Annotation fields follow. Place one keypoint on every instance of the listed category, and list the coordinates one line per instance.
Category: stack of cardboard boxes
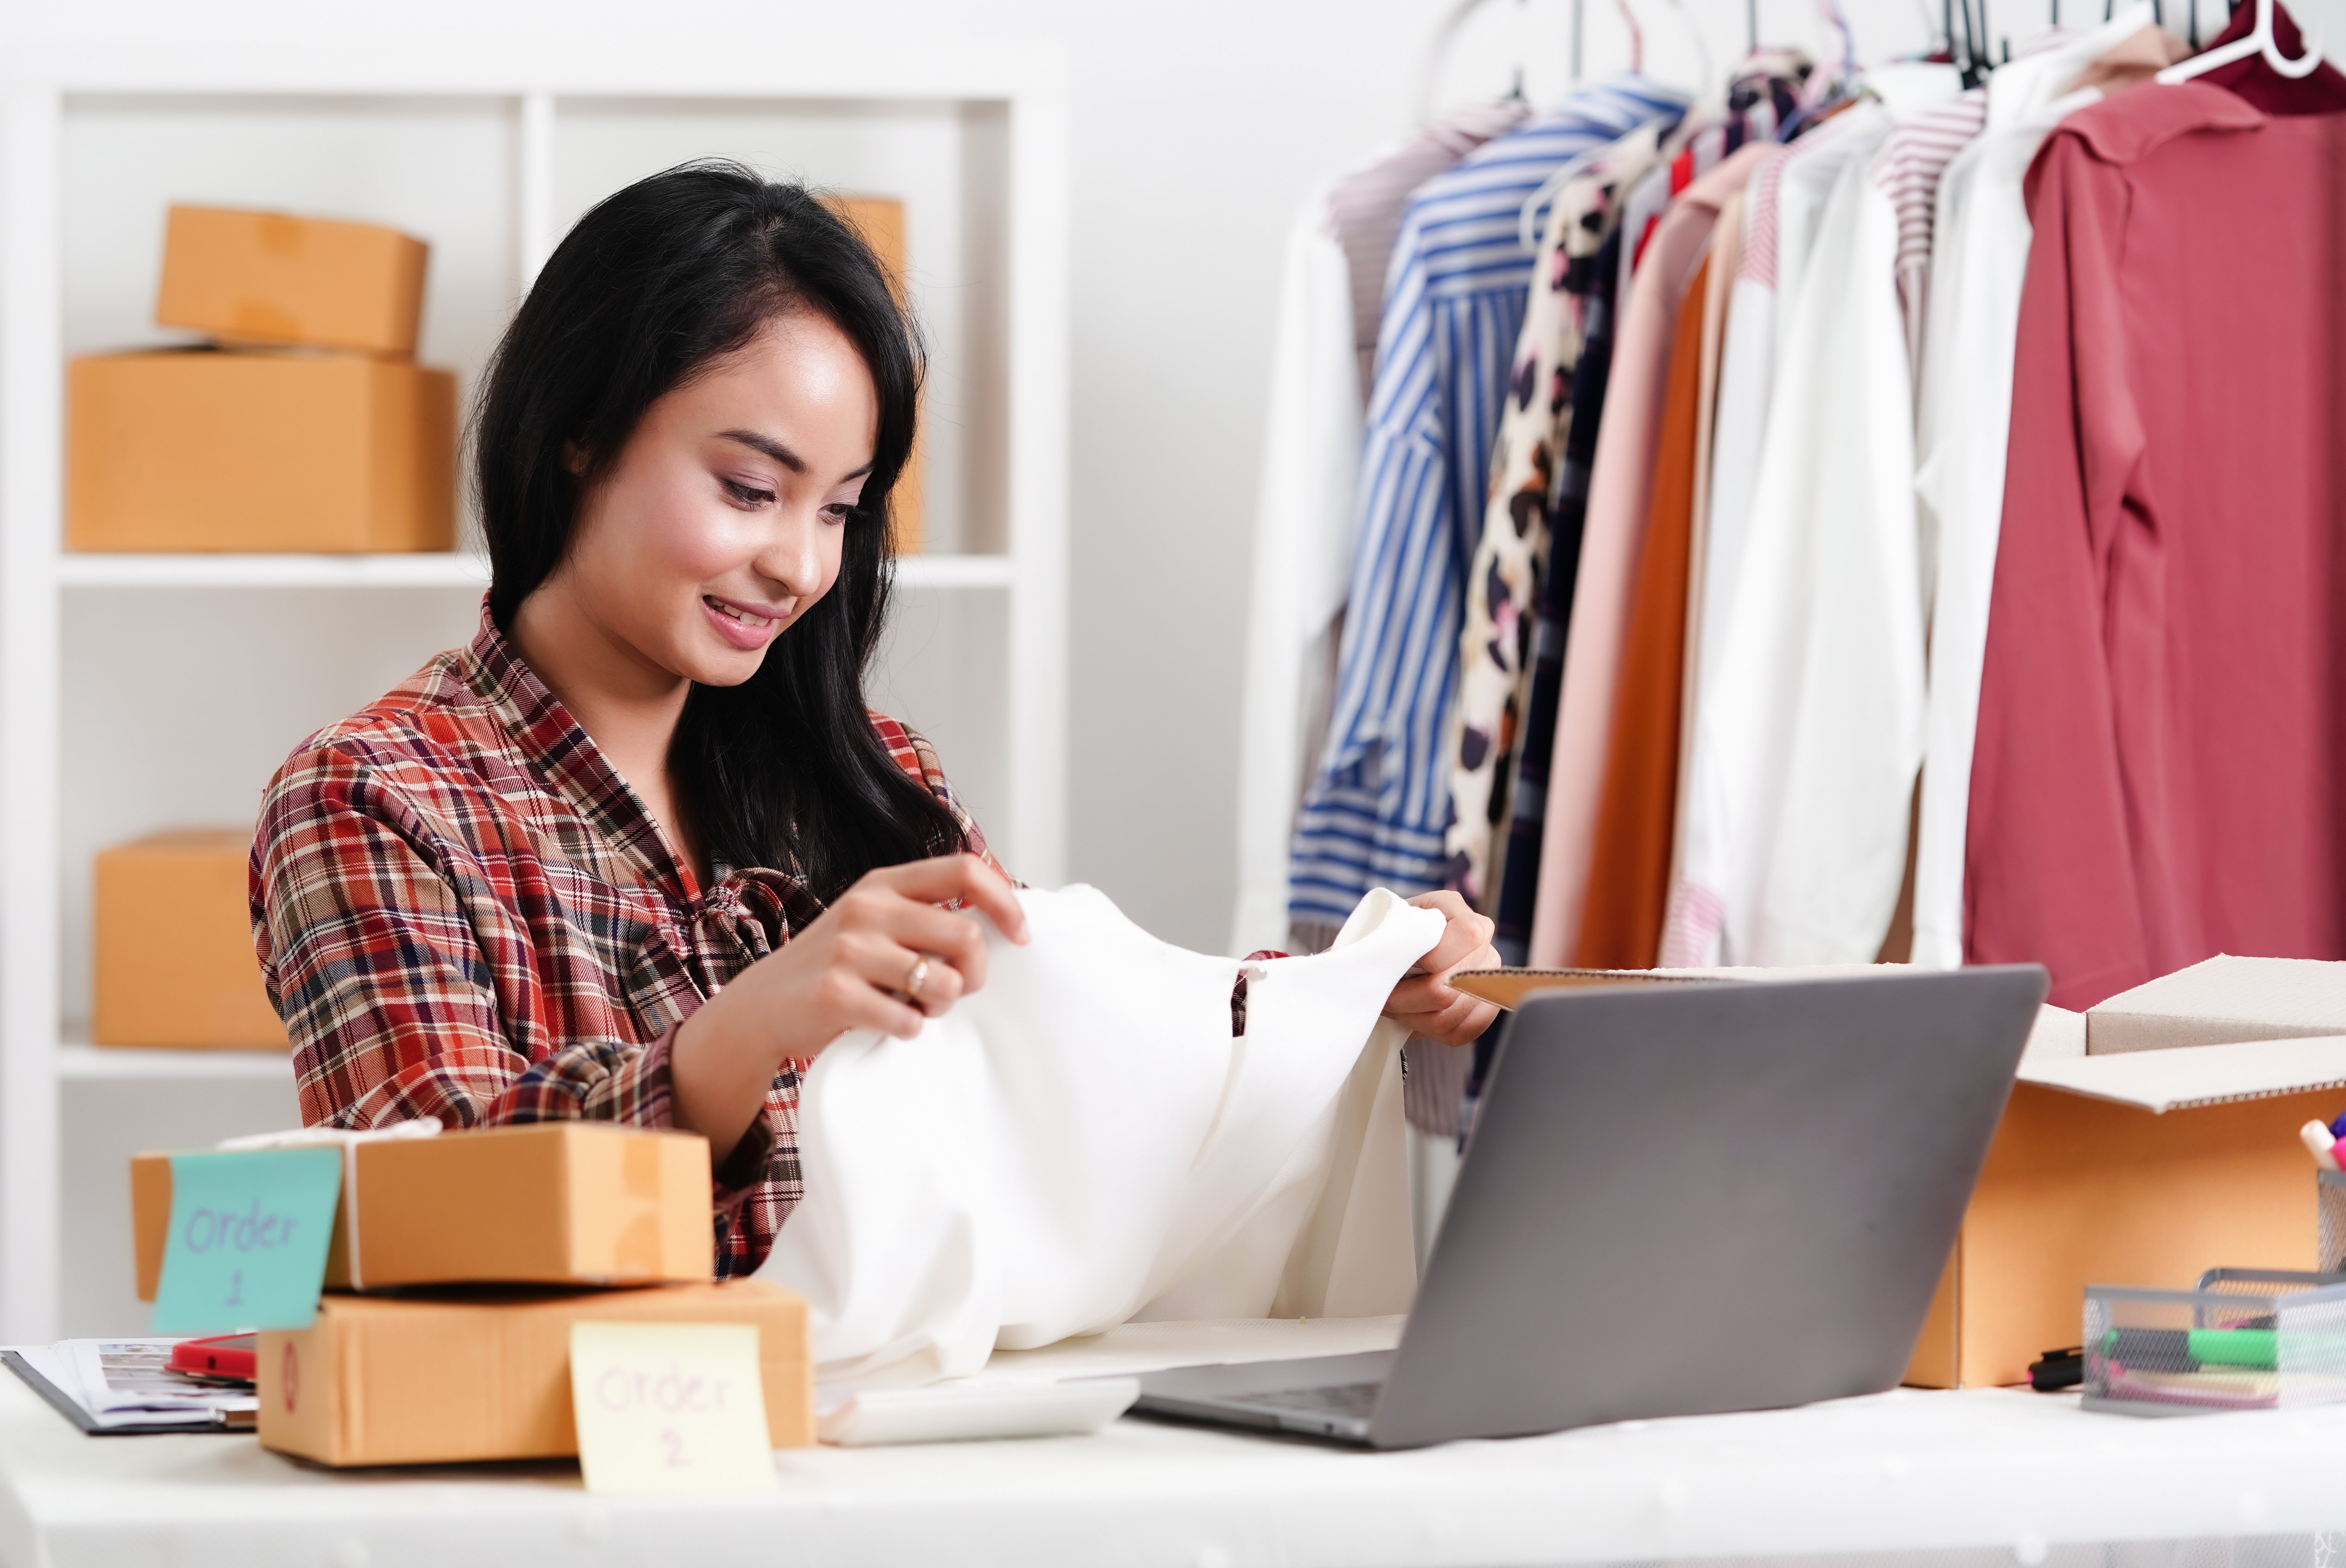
(303, 425)
(494, 1242)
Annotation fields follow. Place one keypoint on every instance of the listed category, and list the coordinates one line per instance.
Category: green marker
(2189, 1349)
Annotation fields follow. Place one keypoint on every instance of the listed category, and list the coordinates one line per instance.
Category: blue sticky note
(246, 1247)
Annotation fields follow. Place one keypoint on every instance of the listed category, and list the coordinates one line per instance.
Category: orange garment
(1637, 812)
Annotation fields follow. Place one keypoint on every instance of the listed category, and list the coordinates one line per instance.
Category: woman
(639, 851)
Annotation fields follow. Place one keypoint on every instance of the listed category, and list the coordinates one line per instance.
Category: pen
(2322, 1143)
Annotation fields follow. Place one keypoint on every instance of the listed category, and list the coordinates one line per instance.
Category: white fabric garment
(1979, 259)
(1082, 1141)
(1747, 370)
(1747, 383)
(1302, 558)
(1809, 722)
(1820, 638)
(1811, 172)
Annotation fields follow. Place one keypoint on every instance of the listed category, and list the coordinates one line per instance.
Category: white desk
(2012, 1476)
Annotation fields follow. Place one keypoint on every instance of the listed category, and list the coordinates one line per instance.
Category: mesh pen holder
(2330, 1187)
(2246, 1339)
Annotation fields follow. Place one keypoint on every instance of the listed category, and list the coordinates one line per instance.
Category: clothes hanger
(1527, 220)
(1637, 36)
(1694, 34)
(1978, 45)
(2259, 40)
(1437, 54)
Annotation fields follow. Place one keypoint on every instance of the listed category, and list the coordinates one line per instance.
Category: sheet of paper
(247, 1247)
(669, 1407)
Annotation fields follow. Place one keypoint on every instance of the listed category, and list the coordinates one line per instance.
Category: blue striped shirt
(1454, 298)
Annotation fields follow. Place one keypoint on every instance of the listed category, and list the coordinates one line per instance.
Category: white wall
(1196, 126)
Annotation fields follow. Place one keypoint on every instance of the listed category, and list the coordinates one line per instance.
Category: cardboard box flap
(2220, 1000)
(1509, 987)
(2191, 1075)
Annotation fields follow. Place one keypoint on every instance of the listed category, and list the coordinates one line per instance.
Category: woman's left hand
(1425, 1002)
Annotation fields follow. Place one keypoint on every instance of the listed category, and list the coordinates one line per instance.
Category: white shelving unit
(549, 123)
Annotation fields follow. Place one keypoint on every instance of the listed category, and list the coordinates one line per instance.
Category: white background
(1196, 126)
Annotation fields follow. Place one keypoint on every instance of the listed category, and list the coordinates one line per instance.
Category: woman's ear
(574, 460)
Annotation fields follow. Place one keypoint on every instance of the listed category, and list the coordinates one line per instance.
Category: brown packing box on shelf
(273, 278)
(200, 451)
(881, 220)
(173, 953)
(413, 1379)
(2146, 1168)
(553, 1202)
(2222, 999)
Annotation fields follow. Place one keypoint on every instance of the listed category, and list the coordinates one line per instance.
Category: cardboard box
(272, 278)
(431, 1380)
(2222, 999)
(881, 220)
(173, 956)
(196, 449)
(2144, 1168)
(553, 1202)
(2148, 1169)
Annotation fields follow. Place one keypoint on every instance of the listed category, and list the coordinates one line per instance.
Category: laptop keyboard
(1356, 1400)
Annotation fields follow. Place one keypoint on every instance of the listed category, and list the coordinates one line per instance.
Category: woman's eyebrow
(777, 452)
(768, 445)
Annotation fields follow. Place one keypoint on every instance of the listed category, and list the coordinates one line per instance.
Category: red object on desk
(221, 1356)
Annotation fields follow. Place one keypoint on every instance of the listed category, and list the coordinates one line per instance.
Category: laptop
(1676, 1199)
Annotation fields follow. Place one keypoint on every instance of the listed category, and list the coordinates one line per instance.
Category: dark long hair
(654, 286)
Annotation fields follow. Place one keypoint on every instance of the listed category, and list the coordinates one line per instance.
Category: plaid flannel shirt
(462, 911)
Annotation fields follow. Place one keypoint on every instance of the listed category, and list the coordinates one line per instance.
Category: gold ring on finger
(917, 977)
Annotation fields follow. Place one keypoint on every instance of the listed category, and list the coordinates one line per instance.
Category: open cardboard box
(2142, 1168)
(553, 1203)
(2220, 1000)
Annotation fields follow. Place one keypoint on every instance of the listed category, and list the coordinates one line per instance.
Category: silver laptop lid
(1698, 1197)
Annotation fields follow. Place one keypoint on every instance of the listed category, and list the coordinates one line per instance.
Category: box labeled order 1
(246, 1245)
(554, 1202)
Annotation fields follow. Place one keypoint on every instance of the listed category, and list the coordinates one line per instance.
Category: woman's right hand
(851, 968)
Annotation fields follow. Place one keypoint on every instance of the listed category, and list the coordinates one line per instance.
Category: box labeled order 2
(418, 1380)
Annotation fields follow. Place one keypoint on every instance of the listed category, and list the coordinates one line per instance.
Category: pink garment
(2160, 758)
(1620, 485)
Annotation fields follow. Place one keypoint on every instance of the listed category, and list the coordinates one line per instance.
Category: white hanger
(2259, 40)
(1444, 34)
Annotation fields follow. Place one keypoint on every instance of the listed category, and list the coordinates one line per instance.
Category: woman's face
(721, 521)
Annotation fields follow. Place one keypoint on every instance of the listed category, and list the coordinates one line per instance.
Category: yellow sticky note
(669, 1407)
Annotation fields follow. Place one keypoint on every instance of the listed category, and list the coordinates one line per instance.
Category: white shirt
(1303, 557)
(1747, 381)
(1808, 741)
(1979, 261)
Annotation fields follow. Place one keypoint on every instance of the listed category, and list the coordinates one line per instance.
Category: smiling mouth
(755, 623)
